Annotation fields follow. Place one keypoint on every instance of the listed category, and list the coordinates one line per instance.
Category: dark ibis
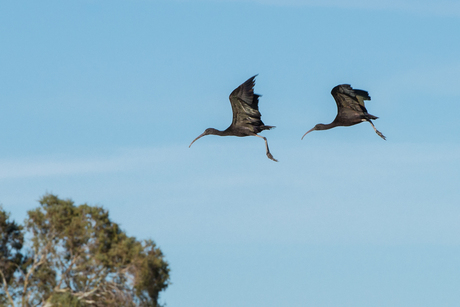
(246, 116)
(350, 109)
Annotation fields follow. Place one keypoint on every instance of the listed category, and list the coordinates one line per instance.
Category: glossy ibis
(350, 109)
(246, 116)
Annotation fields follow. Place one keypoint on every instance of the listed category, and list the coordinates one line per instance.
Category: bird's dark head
(206, 132)
(317, 127)
(210, 131)
(320, 127)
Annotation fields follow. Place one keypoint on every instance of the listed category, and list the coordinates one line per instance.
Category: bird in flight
(350, 109)
(246, 116)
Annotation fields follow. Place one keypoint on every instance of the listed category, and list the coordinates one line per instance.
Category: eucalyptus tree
(76, 256)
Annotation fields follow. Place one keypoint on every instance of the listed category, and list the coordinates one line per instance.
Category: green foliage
(11, 243)
(65, 299)
(79, 257)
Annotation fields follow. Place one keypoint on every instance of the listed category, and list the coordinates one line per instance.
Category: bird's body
(246, 116)
(350, 109)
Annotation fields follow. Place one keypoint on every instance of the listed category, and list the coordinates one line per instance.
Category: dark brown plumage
(246, 116)
(350, 109)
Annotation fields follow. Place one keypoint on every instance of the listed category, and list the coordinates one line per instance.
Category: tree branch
(35, 264)
(58, 286)
(5, 286)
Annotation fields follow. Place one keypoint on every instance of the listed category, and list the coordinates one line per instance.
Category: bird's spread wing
(348, 99)
(245, 105)
(361, 96)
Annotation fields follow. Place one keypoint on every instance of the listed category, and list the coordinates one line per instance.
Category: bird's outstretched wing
(350, 101)
(245, 105)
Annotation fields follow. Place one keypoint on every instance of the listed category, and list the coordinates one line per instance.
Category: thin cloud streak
(129, 159)
(122, 160)
(444, 8)
(43, 168)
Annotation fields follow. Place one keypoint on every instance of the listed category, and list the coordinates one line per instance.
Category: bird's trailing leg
(376, 131)
(269, 155)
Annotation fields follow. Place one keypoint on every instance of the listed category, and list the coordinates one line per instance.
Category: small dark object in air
(350, 109)
(246, 116)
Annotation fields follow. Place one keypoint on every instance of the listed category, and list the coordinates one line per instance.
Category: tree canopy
(68, 255)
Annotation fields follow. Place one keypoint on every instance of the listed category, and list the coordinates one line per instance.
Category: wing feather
(350, 100)
(245, 105)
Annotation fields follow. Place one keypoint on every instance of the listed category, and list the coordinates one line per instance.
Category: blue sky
(99, 101)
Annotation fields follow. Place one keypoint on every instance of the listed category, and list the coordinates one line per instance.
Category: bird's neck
(326, 126)
(218, 132)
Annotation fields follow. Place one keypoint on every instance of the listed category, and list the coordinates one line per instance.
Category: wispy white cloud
(208, 193)
(64, 165)
(447, 7)
(164, 158)
(10, 169)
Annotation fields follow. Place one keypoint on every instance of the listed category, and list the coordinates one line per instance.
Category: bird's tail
(369, 116)
(268, 127)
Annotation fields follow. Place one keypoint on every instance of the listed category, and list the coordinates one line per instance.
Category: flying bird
(350, 109)
(246, 116)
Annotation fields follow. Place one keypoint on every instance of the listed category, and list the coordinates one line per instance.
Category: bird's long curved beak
(307, 132)
(203, 134)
